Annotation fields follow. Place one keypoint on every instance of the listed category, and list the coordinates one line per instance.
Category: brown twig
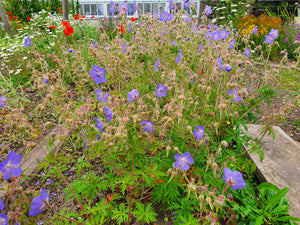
(69, 219)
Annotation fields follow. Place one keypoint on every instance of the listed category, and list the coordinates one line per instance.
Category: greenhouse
(101, 8)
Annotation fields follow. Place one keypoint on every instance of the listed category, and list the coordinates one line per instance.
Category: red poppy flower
(83, 16)
(10, 18)
(59, 8)
(76, 17)
(61, 12)
(15, 17)
(52, 27)
(68, 30)
(28, 18)
(122, 29)
(20, 27)
(9, 13)
(133, 19)
(92, 17)
(65, 23)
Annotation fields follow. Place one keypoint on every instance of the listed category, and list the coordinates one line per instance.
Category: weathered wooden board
(30, 162)
(281, 164)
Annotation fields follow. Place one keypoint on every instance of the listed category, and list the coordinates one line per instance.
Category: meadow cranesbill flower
(274, 32)
(199, 132)
(102, 96)
(269, 39)
(11, 165)
(71, 50)
(39, 203)
(124, 48)
(3, 219)
(173, 43)
(216, 35)
(46, 80)
(2, 206)
(208, 35)
(112, 7)
(3, 101)
(98, 74)
(200, 47)
(285, 40)
(156, 64)
(130, 27)
(207, 10)
(235, 96)
(27, 42)
(228, 68)
(123, 7)
(183, 161)
(233, 179)
(133, 95)
(232, 44)
(247, 52)
(148, 125)
(164, 16)
(187, 3)
(224, 33)
(95, 44)
(255, 30)
(171, 7)
(161, 90)
(99, 124)
(178, 56)
(108, 112)
(134, 7)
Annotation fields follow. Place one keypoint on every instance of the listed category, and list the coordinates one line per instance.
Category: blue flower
(99, 124)
(235, 96)
(148, 125)
(95, 44)
(102, 96)
(123, 7)
(187, 3)
(130, 28)
(255, 30)
(207, 10)
(200, 47)
(156, 64)
(233, 179)
(108, 112)
(11, 165)
(161, 90)
(98, 74)
(71, 50)
(171, 7)
(173, 43)
(133, 95)
(183, 161)
(232, 44)
(228, 68)
(39, 203)
(27, 42)
(178, 57)
(3, 101)
(199, 132)
(274, 32)
(2, 206)
(112, 7)
(46, 80)
(247, 52)
(269, 39)
(124, 48)
(164, 16)
(134, 7)
(216, 35)
(224, 33)
(3, 219)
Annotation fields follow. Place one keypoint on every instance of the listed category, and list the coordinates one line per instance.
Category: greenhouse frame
(100, 8)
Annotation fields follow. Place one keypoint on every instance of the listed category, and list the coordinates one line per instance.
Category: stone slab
(281, 164)
(30, 162)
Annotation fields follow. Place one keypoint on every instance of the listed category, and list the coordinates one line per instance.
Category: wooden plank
(38, 152)
(281, 164)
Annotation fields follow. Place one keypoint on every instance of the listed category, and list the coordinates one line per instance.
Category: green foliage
(144, 213)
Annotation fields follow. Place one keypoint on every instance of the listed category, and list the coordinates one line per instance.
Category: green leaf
(259, 220)
(145, 213)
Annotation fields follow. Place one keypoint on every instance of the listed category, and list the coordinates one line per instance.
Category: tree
(5, 21)
(65, 10)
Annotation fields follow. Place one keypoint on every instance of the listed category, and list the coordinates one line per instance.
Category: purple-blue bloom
(233, 179)
(216, 35)
(208, 35)
(3, 101)
(39, 203)
(2, 206)
(95, 44)
(255, 30)
(108, 112)
(235, 96)
(46, 80)
(228, 68)
(3, 219)
(207, 10)
(148, 125)
(27, 42)
(156, 64)
(130, 28)
(232, 44)
(269, 39)
(134, 7)
(187, 3)
(10, 166)
(173, 43)
(183, 161)
(224, 33)
(164, 16)
(199, 132)
(219, 60)
(247, 52)
(99, 124)
(161, 90)
(200, 47)
(71, 50)
(178, 56)
(98, 74)
(274, 32)
(133, 95)
(123, 7)
(112, 7)
(102, 96)
(171, 7)
(124, 48)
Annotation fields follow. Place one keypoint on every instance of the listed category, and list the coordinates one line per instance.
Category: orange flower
(76, 17)
(122, 29)
(133, 19)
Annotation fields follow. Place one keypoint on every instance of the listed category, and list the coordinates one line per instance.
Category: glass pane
(161, 8)
(81, 9)
(87, 9)
(147, 8)
(130, 10)
(93, 9)
(194, 8)
(187, 9)
(140, 8)
(100, 9)
(154, 7)
(178, 7)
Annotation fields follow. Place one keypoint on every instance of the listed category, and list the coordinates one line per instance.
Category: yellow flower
(228, 122)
